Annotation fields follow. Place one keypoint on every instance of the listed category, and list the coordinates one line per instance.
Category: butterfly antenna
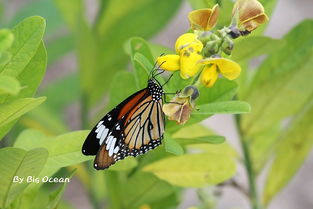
(168, 79)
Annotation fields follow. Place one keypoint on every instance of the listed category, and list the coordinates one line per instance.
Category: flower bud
(181, 106)
(203, 19)
(249, 13)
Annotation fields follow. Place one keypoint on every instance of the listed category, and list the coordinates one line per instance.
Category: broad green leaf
(20, 163)
(142, 60)
(64, 150)
(13, 110)
(252, 46)
(296, 144)
(172, 146)
(194, 170)
(9, 85)
(44, 119)
(193, 131)
(27, 38)
(29, 138)
(32, 75)
(229, 107)
(223, 90)
(55, 196)
(223, 149)
(283, 75)
(197, 134)
(122, 80)
(262, 145)
(4, 58)
(201, 140)
(6, 39)
(124, 165)
(30, 78)
(143, 188)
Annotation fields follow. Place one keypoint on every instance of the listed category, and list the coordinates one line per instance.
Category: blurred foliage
(37, 140)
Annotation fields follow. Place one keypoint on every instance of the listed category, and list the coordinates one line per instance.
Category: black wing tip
(95, 165)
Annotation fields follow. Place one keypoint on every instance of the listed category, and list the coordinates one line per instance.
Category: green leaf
(262, 145)
(9, 85)
(253, 46)
(18, 162)
(55, 196)
(202, 140)
(144, 188)
(28, 35)
(172, 146)
(6, 39)
(142, 60)
(30, 78)
(194, 170)
(296, 144)
(223, 90)
(64, 150)
(197, 134)
(229, 107)
(17, 108)
(124, 165)
(283, 75)
(122, 80)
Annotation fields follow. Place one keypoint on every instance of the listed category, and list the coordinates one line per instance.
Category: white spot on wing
(112, 145)
(104, 135)
(100, 130)
(99, 124)
(116, 149)
(109, 143)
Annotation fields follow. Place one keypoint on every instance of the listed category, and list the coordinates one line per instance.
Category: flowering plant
(96, 62)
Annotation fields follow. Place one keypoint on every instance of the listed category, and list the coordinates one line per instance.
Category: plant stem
(253, 195)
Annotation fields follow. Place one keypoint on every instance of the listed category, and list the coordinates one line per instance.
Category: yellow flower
(213, 66)
(188, 48)
(203, 19)
(250, 14)
(181, 106)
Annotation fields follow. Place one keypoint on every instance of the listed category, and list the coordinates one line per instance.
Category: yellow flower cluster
(197, 54)
(189, 61)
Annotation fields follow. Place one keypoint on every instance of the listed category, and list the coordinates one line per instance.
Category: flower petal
(228, 68)
(189, 62)
(188, 39)
(169, 62)
(209, 75)
(203, 19)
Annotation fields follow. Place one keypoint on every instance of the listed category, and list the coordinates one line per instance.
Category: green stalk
(253, 195)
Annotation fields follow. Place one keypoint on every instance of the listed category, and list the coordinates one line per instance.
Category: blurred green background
(86, 44)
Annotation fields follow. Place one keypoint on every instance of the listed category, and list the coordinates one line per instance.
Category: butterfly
(132, 128)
